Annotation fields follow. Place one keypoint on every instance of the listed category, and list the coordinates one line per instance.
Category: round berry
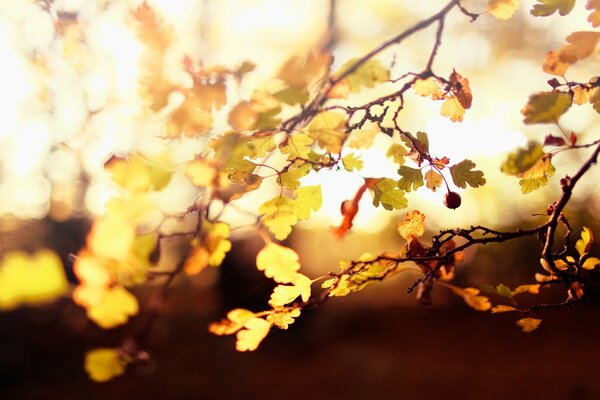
(452, 200)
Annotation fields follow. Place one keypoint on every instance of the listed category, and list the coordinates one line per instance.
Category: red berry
(452, 200)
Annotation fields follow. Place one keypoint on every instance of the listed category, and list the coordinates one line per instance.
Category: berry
(452, 200)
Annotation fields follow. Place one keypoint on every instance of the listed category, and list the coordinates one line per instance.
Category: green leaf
(462, 175)
(504, 290)
(267, 120)
(368, 74)
(549, 7)
(329, 130)
(387, 193)
(308, 199)
(292, 95)
(290, 179)
(412, 178)
(537, 176)
(523, 159)
(546, 107)
(351, 162)
(296, 146)
(397, 152)
(486, 287)
(279, 215)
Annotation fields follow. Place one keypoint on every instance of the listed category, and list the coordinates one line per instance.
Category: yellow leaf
(362, 139)
(94, 278)
(242, 117)
(190, 119)
(367, 74)
(284, 294)
(581, 95)
(138, 174)
(470, 296)
(283, 317)
(591, 263)
(216, 241)
(503, 9)
(30, 279)
(255, 331)
(594, 17)
(278, 262)
(197, 261)
(201, 172)
(584, 244)
(279, 215)
(115, 308)
(328, 129)
(434, 180)
(413, 226)
(428, 87)
(501, 308)
(111, 236)
(341, 90)
(300, 71)
(529, 324)
(104, 364)
(546, 107)
(296, 146)
(533, 289)
(234, 322)
(307, 200)
(452, 109)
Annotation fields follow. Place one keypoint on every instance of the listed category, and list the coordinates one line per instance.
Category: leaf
(201, 172)
(115, 308)
(434, 180)
(362, 139)
(136, 174)
(352, 163)
(255, 331)
(111, 236)
(283, 317)
(103, 364)
(412, 178)
(502, 9)
(428, 87)
(284, 294)
(387, 193)
(533, 289)
(413, 226)
(504, 290)
(307, 200)
(461, 89)
(549, 7)
(279, 215)
(300, 71)
(594, 17)
(367, 75)
(580, 45)
(397, 152)
(329, 130)
(529, 324)
(30, 279)
(501, 308)
(190, 119)
(242, 117)
(584, 244)
(463, 175)
(537, 176)
(453, 109)
(590, 263)
(546, 107)
(471, 296)
(290, 179)
(278, 262)
(296, 146)
(292, 95)
(236, 319)
(519, 162)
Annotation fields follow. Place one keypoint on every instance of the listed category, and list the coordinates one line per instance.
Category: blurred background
(70, 99)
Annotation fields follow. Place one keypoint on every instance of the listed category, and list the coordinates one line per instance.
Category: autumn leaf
(111, 236)
(328, 129)
(387, 193)
(549, 7)
(433, 180)
(463, 175)
(283, 317)
(537, 176)
(114, 309)
(594, 17)
(529, 324)
(138, 174)
(279, 215)
(396, 152)
(201, 172)
(501, 308)
(307, 200)
(428, 87)
(453, 109)
(278, 262)
(104, 364)
(580, 45)
(190, 119)
(300, 71)
(546, 107)
(30, 279)
(471, 296)
(502, 9)
(367, 75)
(236, 319)
(461, 89)
(413, 226)
(352, 163)
(362, 138)
(242, 117)
(296, 146)
(584, 244)
(290, 179)
(518, 162)
(412, 178)
(284, 294)
(255, 330)
(590, 263)
(533, 289)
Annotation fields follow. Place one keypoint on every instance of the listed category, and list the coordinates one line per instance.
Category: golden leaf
(434, 180)
(30, 279)
(501, 308)
(584, 244)
(255, 330)
(103, 364)
(428, 87)
(111, 236)
(590, 263)
(529, 324)
(242, 117)
(278, 262)
(470, 296)
(235, 321)
(284, 294)
(413, 226)
(533, 289)
(594, 17)
(115, 308)
(283, 317)
(580, 45)
(452, 109)
(503, 9)
(201, 172)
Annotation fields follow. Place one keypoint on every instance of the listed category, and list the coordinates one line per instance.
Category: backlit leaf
(278, 262)
(300, 71)
(546, 107)
(434, 180)
(413, 225)
(279, 215)
(362, 138)
(594, 17)
(504, 290)
(290, 179)
(549, 7)
(501, 308)
(296, 146)
(471, 297)
(518, 162)
(236, 319)
(30, 279)
(111, 236)
(428, 87)
(283, 317)
(387, 193)
(307, 200)
(533, 289)
(103, 364)
(285, 294)
(463, 174)
(453, 109)
(502, 9)
(591, 263)
(367, 75)
(412, 178)
(580, 45)
(352, 163)
(242, 117)
(529, 324)
(137, 174)
(253, 333)
(396, 151)
(115, 308)
(329, 130)
(537, 176)
(201, 172)
(190, 119)
(584, 244)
